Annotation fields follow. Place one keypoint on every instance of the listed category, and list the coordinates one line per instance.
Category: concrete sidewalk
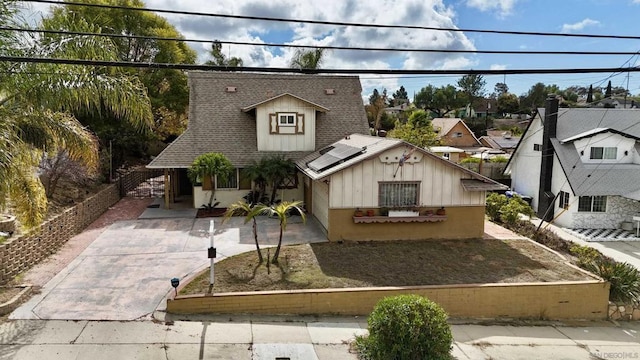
(296, 338)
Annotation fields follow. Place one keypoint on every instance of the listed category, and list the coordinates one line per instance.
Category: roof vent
(231, 89)
(330, 91)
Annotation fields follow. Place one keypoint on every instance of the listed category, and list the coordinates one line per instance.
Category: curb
(13, 303)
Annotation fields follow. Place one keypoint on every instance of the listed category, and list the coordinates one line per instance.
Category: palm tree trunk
(255, 237)
(277, 253)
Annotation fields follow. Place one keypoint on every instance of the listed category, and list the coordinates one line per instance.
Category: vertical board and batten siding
(440, 185)
(320, 203)
(293, 142)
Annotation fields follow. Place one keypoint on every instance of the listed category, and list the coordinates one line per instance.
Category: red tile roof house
(320, 122)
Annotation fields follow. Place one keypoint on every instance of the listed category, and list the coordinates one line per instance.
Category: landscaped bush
(499, 159)
(623, 277)
(495, 202)
(406, 327)
(470, 160)
(586, 255)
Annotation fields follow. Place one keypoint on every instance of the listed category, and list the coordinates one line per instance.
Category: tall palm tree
(282, 211)
(249, 211)
(307, 59)
(37, 103)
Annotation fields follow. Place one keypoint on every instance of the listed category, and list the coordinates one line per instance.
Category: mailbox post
(211, 253)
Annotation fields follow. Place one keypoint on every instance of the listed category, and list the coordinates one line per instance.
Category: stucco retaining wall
(559, 300)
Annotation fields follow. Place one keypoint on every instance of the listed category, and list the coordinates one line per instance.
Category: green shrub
(586, 255)
(495, 202)
(406, 327)
(499, 159)
(470, 160)
(623, 277)
(510, 213)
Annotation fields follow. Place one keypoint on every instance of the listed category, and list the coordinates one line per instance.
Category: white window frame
(563, 200)
(607, 153)
(398, 200)
(286, 117)
(594, 202)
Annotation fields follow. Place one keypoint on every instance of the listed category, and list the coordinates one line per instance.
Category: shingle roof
(501, 142)
(373, 146)
(596, 179)
(445, 124)
(217, 122)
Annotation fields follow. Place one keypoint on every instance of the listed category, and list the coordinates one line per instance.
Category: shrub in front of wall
(510, 213)
(623, 277)
(406, 327)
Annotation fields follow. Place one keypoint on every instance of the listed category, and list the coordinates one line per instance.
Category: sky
(609, 17)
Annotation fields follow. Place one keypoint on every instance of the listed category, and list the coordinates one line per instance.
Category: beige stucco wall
(562, 300)
(464, 222)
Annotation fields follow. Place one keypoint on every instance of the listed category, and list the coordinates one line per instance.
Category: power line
(335, 23)
(153, 65)
(327, 47)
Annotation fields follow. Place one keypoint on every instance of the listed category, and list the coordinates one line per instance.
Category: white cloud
(498, 67)
(505, 7)
(579, 25)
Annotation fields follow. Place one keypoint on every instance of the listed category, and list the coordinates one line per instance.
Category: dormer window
(603, 153)
(287, 119)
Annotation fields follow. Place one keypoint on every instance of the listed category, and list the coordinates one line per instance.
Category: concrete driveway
(125, 273)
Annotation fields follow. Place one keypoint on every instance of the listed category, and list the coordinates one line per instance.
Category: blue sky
(613, 17)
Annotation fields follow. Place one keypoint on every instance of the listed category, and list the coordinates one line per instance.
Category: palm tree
(213, 166)
(249, 211)
(37, 103)
(276, 170)
(256, 172)
(282, 211)
(307, 59)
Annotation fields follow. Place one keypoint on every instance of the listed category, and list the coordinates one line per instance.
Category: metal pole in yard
(212, 254)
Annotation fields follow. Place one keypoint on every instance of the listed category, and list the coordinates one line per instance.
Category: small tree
(417, 131)
(276, 170)
(242, 208)
(282, 211)
(257, 172)
(406, 327)
(210, 165)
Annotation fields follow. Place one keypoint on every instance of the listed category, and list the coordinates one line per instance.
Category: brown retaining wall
(20, 253)
(559, 300)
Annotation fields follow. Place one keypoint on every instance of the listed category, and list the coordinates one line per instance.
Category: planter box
(403, 213)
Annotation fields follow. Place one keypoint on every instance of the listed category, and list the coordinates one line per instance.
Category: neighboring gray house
(503, 141)
(581, 166)
(247, 116)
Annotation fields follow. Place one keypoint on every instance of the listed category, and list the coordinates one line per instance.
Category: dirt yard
(396, 263)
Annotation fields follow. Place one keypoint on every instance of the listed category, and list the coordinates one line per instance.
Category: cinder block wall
(21, 253)
(559, 300)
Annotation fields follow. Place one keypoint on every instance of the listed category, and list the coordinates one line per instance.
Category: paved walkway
(124, 274)
(297, 338)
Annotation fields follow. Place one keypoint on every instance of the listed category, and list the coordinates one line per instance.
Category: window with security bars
(592, 204)
(398, 194)
(231, 183)
(563, 200)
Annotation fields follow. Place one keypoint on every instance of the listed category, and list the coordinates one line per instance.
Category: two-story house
(581, 166)
(247, 116)
(454, 132)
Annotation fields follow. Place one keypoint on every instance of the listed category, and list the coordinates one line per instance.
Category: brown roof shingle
(217, 122)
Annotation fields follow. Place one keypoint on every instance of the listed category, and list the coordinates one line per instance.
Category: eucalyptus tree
(38, 100)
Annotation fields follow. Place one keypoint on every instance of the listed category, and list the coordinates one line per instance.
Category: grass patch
(389, 263)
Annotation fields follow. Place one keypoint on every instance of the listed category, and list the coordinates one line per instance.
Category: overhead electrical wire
(26, 59)
(453, 51)
(336, 23)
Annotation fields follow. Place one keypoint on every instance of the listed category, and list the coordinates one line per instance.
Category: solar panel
(338, 154)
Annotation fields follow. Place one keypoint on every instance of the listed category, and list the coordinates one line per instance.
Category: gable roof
(218, 123)
(371, 146)
(445, 124)
(501, 142)
(253, 106)
(594, 179)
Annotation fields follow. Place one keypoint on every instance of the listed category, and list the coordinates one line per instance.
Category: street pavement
(298, 338)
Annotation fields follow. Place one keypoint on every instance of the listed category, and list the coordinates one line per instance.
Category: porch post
(167, 189)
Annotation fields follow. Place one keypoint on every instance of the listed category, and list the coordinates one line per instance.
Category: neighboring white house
(592, 178)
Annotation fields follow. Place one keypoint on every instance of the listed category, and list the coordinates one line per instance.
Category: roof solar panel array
(338, 154)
